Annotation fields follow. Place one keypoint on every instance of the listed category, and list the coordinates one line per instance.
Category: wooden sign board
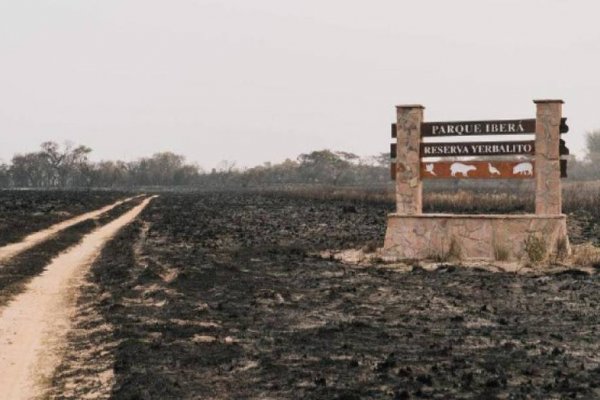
(478, 170)
(466, 128)
(563, 168)
(483, 128)
(476, 149)
(563, 150)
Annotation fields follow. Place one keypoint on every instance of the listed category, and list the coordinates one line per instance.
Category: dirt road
(13, 249)
(34, 324)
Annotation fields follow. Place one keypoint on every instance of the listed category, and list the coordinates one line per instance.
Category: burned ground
(25, 211)
(218, 296)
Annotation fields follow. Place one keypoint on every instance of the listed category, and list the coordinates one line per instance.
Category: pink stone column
(408, 181)
(548, 200)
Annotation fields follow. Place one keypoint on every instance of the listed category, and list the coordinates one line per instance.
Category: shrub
(535, 248)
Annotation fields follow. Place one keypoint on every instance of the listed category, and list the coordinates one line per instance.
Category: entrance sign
(412, 234)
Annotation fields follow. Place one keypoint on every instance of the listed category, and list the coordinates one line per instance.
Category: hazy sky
(260, 80)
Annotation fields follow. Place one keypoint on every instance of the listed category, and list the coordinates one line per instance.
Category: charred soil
(25, 211)
(218, 296)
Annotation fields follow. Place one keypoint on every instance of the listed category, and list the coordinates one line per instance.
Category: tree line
(69, 166)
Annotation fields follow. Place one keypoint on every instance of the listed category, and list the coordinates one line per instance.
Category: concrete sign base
(476, 237)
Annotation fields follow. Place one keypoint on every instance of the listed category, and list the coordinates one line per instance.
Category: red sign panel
(478, 169)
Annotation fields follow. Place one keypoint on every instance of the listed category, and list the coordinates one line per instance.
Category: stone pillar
(548, 200)
(408, 181)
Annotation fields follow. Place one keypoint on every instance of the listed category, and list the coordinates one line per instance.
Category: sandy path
(33, 326)
(11, 250)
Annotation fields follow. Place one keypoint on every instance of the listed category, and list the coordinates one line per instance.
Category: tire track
(11, 250)
(16, 272)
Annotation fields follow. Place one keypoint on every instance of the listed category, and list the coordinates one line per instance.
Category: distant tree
(592, 140)
(186, 175)
(591, 166)
(324, 166)
(4, 175)
(31, 170)
(285, 172)
(162, 169)
(68, 165)
(382, 160)
(348, 157)
(110, 174)
(226, 166)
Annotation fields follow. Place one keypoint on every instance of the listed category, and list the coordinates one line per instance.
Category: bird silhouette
(429, 168)
(493, 170)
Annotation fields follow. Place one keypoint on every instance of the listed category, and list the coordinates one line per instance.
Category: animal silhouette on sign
(460, 168)
(524, 168)
(493, 170)
(429, 169)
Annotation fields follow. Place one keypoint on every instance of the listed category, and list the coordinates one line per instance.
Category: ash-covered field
(25, 211)
(219, 296)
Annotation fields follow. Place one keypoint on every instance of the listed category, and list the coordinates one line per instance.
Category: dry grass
(478, 202)
(586, 255)
(468, 197)
(576, 197)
